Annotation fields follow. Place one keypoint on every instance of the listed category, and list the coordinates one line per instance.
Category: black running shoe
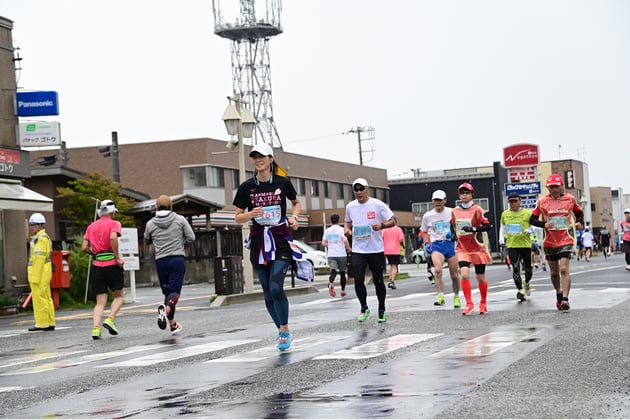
(162, 317)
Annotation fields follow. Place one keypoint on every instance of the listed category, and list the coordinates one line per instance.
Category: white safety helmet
(37, 219)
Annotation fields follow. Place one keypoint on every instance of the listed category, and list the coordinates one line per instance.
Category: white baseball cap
(438, 195)
(107, 207)
(626, 211)
(262, 148)
(360, 181)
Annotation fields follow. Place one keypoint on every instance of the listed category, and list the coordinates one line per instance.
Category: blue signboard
(528, 201)
(523, 188)
(35, 104)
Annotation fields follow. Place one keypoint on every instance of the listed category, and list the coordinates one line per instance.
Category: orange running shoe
(468, 309)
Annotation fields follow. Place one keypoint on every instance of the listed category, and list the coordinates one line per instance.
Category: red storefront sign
(520, 155)
(522, 174)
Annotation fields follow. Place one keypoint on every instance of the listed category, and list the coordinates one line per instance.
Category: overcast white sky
(445, 84)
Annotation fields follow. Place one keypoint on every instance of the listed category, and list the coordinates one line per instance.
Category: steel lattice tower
(251, 76)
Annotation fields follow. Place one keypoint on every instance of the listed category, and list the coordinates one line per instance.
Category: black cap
(513, 196)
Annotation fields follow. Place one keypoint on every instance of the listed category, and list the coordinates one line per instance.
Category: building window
(215, 177)
(418, 209)
(203, 177)
(339, 191)
(327, 189)
(314, 188)
(300, 186)
(195, 177)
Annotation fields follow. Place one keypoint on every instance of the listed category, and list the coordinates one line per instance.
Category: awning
(14, 196)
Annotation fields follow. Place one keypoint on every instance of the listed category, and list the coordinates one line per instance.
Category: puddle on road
(418, 383)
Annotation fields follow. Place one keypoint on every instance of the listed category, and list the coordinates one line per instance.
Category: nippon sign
(523, 188)
(14, 163)
(522, 174)
(520, 155)
(41, 133)
(36, 104)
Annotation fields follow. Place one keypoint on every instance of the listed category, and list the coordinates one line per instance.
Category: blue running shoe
(284, 341)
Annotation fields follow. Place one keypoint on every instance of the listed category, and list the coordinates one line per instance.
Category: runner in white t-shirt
(439, 245)
(337, 249)
(365, 218)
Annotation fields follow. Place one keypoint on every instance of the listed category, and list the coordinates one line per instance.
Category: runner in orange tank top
(469, 220)
(557, 213)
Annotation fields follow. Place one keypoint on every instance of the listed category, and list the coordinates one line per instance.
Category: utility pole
(114, 152)
(369, 137)
(115, 158)
(63, 154)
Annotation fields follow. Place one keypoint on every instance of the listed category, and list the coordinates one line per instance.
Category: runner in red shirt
(557, 213)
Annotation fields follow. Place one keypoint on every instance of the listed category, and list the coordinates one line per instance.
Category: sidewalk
(150, 294)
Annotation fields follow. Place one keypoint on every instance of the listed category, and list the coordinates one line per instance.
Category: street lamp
(240, 122)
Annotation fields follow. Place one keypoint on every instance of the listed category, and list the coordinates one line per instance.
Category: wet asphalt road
(521, 360)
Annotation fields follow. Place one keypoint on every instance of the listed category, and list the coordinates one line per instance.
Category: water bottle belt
(105, 256)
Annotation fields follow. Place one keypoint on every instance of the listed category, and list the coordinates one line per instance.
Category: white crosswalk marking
(410, 296)
(271, 351)
(37, 358)
(11, 388)
(376, 348)
(487, 343)
(322, 347)
(179, 353)
(81, 360)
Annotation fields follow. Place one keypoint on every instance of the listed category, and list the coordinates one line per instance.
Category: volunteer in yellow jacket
(40, 274)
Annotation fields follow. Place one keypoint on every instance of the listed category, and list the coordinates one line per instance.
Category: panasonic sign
(35, 104)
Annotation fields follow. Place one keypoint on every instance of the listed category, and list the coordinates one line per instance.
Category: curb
(226, 300)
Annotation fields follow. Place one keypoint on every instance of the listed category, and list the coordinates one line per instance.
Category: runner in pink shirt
(101, 241)
(393, 240)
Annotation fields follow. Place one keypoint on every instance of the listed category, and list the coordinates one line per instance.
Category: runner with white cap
(365, 219)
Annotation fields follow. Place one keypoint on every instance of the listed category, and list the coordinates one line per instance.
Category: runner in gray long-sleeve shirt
(169, 233)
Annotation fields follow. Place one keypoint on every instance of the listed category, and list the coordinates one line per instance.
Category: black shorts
(555, 254)
(393, 259)
(102, 278)
(479, 268)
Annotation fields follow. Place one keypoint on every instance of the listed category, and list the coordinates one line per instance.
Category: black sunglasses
(358, 188)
